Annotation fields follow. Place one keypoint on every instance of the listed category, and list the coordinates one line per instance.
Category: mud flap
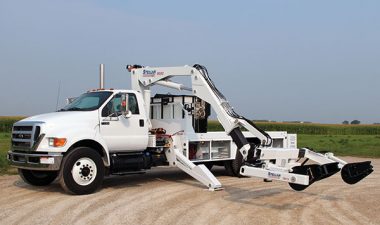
(315, 173)
(354, 172)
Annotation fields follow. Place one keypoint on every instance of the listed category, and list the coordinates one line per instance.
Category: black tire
(38, 178)
(209, 165)
(228, 168)
(232, 168)
(74, 170)
(236, 164)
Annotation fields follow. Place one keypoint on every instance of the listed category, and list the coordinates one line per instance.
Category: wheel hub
(84, 171)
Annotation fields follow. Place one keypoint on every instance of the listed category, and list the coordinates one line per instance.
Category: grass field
(6, 122)
(344, 145)
(353, 140)
(311, 128)
(4, 147)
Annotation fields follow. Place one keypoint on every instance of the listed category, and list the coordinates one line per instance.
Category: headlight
(57, 142)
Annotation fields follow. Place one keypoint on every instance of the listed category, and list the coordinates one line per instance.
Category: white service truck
(106, 131)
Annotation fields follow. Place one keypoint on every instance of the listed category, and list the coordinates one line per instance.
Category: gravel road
(169, 196)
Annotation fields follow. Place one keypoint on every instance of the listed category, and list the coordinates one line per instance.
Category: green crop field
(6, 122)
(353, 140)
(311, 128)
(344, 145)
(5, 140)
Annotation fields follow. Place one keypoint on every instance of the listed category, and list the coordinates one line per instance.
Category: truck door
(120, 133)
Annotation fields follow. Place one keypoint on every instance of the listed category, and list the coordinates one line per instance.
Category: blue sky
(278, 60)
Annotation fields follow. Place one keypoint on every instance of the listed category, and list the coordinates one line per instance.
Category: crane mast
(203, 87)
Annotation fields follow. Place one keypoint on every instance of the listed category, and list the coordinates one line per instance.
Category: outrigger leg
(199, 172)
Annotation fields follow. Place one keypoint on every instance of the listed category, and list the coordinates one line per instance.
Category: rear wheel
(209, 165)
(38, 178)
(232, 167)
(82, 171)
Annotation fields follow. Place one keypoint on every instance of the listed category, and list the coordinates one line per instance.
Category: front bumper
(35, 161)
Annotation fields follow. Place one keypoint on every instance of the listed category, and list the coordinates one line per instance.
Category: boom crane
(257, 159)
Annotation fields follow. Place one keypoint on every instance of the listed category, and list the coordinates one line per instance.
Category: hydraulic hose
(226, 106)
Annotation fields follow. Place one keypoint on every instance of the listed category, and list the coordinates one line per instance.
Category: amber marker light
(57, 142)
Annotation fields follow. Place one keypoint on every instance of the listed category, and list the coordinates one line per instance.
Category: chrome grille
(22, 128)
(24, 137)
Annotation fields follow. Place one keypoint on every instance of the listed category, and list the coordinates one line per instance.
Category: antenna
(101, 76)
(59, 92)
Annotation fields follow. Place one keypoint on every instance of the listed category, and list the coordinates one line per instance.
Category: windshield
(88, 101)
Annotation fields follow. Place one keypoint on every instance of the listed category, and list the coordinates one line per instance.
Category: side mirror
(70, 100)
(124, 106)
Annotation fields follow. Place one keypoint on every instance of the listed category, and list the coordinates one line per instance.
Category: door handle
(105, 123)
(141, 123)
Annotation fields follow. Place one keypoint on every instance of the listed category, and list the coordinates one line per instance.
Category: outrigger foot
(354, 172)
(315, 173)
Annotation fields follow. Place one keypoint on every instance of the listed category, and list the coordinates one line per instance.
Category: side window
(113, 107)
(132, 104)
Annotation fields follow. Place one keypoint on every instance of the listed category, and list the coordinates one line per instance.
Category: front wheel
(38, 178)
(82, 171)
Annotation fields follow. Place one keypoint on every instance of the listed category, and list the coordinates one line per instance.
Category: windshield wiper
(74, 109)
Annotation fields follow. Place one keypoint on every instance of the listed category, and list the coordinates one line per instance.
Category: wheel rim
(84, 171)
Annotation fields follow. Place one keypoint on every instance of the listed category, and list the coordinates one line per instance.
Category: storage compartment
(277, 143)
(220, 149)
(199, 150)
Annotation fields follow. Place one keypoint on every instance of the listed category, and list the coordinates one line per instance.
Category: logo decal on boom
(149, 73)
(274, 175)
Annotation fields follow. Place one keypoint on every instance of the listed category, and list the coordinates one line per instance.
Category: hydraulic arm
(204, 88)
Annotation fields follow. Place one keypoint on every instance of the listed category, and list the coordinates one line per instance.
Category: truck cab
(124, 132)
(94, 120)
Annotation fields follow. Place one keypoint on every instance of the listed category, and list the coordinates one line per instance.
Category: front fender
(74, 136)
(100, 141)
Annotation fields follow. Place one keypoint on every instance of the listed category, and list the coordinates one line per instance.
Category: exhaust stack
(101, 76)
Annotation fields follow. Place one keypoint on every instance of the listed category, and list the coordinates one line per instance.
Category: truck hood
(64, 118)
